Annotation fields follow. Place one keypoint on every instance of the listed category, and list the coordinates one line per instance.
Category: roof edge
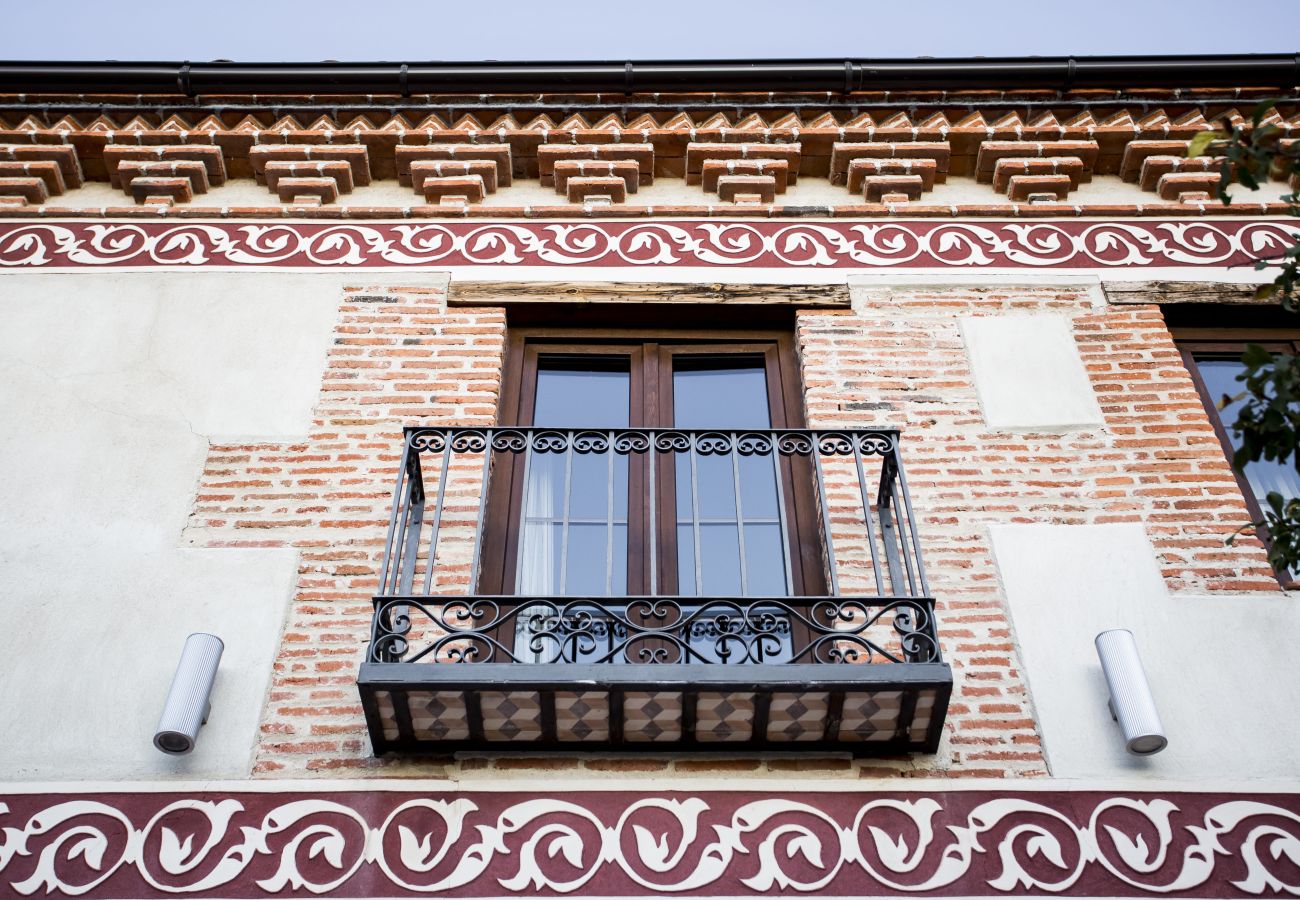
(842, 76)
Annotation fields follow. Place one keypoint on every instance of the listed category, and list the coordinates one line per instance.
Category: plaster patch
(1028, 372)
(1220, 669)
(112, 385)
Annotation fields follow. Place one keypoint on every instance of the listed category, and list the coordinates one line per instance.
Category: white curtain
(537, 577)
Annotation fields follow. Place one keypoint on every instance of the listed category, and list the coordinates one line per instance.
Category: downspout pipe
(679, 76)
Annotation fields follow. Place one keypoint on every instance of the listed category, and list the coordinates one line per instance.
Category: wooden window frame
(1231, 343)
(649, 349)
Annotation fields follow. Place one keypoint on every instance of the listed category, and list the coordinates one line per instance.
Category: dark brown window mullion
(518, 381)
(799, 475)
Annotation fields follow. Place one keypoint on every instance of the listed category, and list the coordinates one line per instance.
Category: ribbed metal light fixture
(189, 700)
(1131, 702)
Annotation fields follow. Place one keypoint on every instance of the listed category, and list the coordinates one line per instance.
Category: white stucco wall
(1028, 372)
(1222, 668)
(111, 386)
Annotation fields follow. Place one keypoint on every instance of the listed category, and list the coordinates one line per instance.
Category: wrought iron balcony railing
(653, 589)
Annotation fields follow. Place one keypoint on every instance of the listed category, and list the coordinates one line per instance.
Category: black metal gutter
(832, 76)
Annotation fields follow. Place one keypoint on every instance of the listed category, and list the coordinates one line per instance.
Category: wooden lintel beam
(1169, 292)
(505, 293)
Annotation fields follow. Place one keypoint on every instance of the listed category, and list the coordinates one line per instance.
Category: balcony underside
(864, 709)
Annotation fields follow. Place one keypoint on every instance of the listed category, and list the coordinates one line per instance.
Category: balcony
(676, 665)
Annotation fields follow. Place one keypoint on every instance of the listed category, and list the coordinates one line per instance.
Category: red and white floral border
(832, 244)
(606, 843)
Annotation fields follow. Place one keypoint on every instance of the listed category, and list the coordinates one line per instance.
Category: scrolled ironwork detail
(590, 442)
(794, 444)
(712, 443)
(627, 442)
(429, 441)
(752, 443)
(876, 443)
(834, 443)
(549, 441)
(659, 630)
(469, 442)
(509, 440)
(672, 442)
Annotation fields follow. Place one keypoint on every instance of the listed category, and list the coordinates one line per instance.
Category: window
(1215, 365)
(578, 508)
(588, 524)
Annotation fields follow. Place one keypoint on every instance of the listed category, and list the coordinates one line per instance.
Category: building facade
(633, 480)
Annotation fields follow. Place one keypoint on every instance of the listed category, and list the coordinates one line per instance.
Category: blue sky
(266, 30)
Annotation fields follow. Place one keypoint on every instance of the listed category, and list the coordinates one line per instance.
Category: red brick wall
(899, 360)
(399, 358)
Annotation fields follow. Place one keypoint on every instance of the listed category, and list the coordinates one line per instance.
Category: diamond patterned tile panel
(652, 716)
(438, 715)
(724, 716)
(511, 715)
(797, 717)
(925, 701)
(870, 716)
(581, 715)
(387, 716)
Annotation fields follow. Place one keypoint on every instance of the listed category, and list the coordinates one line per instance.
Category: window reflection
(1219, 374)
(1264, 476)
(573, 540)
(728, 540)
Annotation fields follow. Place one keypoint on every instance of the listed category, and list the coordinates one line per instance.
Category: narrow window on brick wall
(1214, 362)
(598, 523)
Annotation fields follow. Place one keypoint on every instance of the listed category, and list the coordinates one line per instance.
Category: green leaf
(1261, 110)
(1255, 356)
(1264, 291)
(1201, 143)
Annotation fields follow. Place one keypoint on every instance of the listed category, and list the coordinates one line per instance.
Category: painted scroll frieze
(488, 844)
(806, 245)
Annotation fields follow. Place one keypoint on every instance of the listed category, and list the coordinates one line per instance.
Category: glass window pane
(720, 393)
(764, 561)
(582, 393)
(686, 560)
(725, 394)
(540, 547)
(1264, 476)
(720, 560)
(544, 497)
(758, 487)
(620, 488)
(576, 392)
(586, 561)
(715, 486)
(620, 561)
(590, 486)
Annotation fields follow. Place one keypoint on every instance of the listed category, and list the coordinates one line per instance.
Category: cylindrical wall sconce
(189, 700)
(1131, 703)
